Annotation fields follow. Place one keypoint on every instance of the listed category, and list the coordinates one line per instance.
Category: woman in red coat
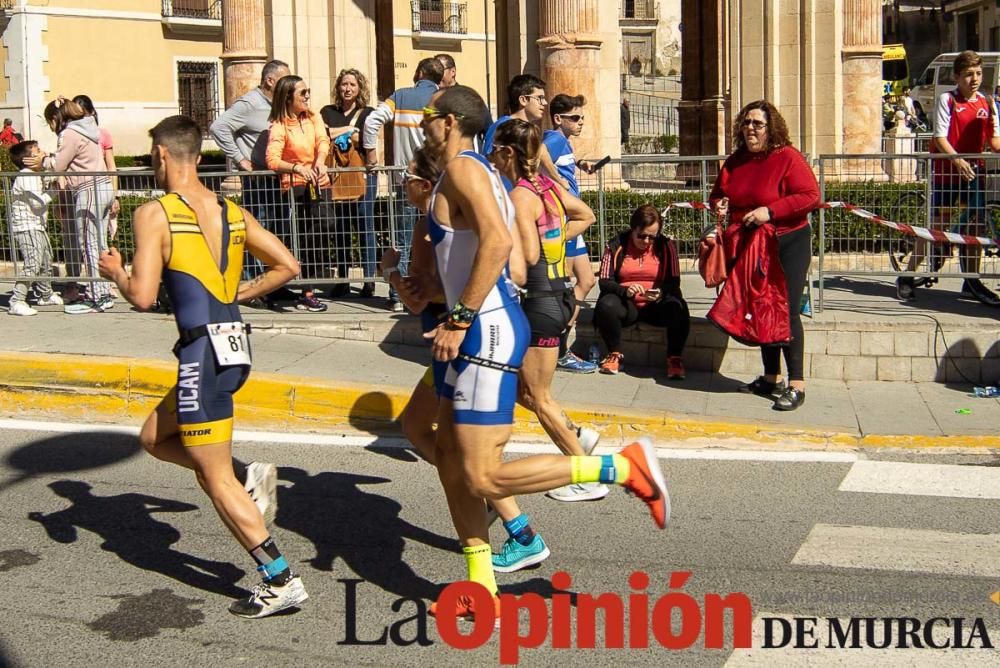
(767, 181)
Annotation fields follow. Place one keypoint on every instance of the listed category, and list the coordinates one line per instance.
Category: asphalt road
(112, 558)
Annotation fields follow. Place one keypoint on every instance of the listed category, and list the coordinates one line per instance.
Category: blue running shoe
(514, 556)
(575, 364)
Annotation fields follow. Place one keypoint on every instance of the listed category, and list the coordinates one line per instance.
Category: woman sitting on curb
(640, 280)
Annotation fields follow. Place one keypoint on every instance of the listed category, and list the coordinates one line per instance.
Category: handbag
(712, 258)
(347, 186)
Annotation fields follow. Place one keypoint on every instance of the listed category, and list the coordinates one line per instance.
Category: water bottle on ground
(595, 354)
(986, 392)
(805, 307)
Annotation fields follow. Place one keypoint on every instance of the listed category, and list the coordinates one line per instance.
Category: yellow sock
(600, 468)
(479, 562)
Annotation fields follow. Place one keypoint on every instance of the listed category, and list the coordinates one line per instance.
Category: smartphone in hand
(652, 295)
(599, 164)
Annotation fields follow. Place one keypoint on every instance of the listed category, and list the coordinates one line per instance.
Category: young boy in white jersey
(29, 214)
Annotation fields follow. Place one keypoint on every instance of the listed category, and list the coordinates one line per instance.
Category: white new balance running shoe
(267, 598)
(262, 485)
(582, 491)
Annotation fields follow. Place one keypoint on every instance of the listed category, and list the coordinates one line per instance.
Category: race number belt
(230, 341)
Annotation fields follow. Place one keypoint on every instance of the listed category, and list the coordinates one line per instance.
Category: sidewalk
(309, 376)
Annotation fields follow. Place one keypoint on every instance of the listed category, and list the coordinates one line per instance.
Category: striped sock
(609, 469)
(519, 529)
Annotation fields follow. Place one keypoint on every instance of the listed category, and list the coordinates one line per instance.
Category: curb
(92, 388)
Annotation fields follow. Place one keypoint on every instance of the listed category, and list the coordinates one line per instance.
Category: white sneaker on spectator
(53, 300)
(582, 491)
(106, 303)
(21, 308)
(262, 486)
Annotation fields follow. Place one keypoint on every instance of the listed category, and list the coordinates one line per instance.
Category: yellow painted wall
(469, 54)
(123, 60)
(107, 5)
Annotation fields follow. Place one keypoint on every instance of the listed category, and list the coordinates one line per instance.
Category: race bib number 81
(230, 343)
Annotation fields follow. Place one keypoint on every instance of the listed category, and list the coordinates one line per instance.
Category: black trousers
(795, 254)
(613, 313)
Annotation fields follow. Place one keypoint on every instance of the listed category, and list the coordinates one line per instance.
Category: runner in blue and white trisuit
(484, 339)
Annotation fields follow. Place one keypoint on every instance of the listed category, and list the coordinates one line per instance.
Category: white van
(939, 78)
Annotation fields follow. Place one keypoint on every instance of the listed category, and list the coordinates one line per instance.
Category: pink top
(105, 140)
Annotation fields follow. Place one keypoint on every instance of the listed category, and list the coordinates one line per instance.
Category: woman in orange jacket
(296, 149)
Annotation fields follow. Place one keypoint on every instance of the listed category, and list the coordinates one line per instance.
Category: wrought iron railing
(193, 9)
(640, 9)
(439, 16)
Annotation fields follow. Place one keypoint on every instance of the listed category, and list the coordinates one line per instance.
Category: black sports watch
(461, 316)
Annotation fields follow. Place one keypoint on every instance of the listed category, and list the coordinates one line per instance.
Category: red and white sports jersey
(967, 125)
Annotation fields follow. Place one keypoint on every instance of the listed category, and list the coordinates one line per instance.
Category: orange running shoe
(613, 363)
(675, 368)
(646, 481)
(466, 609)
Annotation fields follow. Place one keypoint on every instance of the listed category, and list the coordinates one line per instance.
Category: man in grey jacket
(241, 133)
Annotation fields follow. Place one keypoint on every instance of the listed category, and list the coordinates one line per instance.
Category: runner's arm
(579, 216)
(526, 212)
(281, 265)
(141, 287)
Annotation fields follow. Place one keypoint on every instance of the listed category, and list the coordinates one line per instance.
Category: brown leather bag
(712, 259)
(347, 186)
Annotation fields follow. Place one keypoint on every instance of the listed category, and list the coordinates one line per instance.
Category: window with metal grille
(198, 92)
(439, 16)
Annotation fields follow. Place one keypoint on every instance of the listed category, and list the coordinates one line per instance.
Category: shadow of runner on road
(373, 413)
(364, 530)
(70, 453)
(126, 524)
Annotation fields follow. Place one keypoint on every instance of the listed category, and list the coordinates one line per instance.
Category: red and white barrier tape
(937, 236)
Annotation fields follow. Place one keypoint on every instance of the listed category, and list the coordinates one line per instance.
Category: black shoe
(975, 288)
(367, 290)
(340, 290)
(763, 387)
(905, 290)
(274, 305)
(790, 399)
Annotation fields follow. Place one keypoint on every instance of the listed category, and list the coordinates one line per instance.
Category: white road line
(914, 550)
(519, 447)
(829, 653)
(969, 482)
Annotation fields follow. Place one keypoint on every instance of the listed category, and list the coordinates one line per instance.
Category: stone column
(862, 81)
(244, 46)
(570, 45)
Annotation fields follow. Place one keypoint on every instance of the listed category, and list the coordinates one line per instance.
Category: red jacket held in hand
(753, 305)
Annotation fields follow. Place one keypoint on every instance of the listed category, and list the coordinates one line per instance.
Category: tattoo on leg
(569, 423)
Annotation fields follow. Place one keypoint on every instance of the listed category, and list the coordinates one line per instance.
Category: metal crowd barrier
(911, 198)
(341, 241)
(335, 241)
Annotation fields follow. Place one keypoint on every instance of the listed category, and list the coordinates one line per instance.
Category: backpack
(347, 186)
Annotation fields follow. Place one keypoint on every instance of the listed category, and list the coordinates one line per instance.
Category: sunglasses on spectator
(305, 92)
(756, 125)
(645, 237)
(430, 113)
(540, 98)
(409, 176)
(576, 118)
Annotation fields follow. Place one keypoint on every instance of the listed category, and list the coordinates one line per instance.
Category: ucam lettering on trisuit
(187, 387)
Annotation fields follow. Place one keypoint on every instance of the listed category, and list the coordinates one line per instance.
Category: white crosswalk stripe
(888, 549)
(969, 482)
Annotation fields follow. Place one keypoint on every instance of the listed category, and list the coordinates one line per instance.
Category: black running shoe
(980, 292)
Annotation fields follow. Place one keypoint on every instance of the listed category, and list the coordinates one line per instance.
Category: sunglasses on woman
(645, 237)
(409, 176)
(750, 123)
